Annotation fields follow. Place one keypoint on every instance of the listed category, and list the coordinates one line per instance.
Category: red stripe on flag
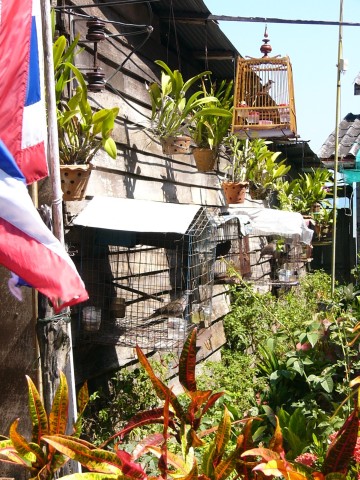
(25, 160)
(40, 267)
(14, 64)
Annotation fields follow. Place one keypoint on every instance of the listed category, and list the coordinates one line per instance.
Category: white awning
(268, 221)
(137, 215)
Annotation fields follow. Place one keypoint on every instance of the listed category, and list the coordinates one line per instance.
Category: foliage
(300, 194)
(212, 120)
(172, 111)
(252, 161)
(238, 151)
(112, 405)
(181, 418)
(82, 132)
(37, 456)
(263, 168)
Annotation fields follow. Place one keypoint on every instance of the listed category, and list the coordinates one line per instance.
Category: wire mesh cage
(232, 251)
(264, 103)
(151, 288)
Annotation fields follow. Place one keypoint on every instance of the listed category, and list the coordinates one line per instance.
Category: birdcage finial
(266, 48)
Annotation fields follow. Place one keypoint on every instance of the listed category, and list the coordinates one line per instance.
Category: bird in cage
(266, 87)
(175, 308)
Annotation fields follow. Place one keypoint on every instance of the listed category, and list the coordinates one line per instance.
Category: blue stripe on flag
(33, 94)
(8, 164)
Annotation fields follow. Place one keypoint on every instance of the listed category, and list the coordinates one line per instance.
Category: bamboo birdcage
(264, 105)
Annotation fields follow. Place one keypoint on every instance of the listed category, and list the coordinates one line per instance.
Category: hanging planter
(234, 192)
(176, 145)
(118, 307)
(91, 318)
(204, 158)
(74, 180)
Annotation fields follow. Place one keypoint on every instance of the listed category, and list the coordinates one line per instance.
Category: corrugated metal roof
(349, 139)
(185, 29)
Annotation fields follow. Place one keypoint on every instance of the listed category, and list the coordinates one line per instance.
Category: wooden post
(55, 339)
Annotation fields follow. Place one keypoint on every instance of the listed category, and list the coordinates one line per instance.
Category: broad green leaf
(109, 146)
(327, 384)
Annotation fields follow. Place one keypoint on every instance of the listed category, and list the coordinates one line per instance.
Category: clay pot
(204, 158)
(176, 145)
(74, 180)
(234, 192)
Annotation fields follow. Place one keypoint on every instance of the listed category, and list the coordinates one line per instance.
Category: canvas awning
(131, 215)
(268, 221)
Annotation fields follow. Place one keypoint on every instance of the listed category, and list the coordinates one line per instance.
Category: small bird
(266, 87)
(175, 308)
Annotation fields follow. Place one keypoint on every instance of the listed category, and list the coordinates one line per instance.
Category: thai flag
(22, 105)
(27, 246)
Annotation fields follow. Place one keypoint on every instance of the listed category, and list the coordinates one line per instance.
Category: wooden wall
(141, 170)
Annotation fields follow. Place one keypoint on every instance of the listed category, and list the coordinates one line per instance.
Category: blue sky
(313, 51)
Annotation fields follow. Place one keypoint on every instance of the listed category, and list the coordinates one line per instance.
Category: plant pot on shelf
(204, 158)
(176, 145)
(234, 192)
(74, 180)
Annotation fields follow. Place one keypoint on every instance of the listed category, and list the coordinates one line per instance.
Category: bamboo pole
(336, 162)
(64, 354)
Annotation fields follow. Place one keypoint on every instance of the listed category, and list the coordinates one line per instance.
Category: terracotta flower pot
(204, 158)
(234, 192)
(176, 145)
(74, 180)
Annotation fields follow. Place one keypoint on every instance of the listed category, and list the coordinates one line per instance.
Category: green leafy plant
(82, 131)
(37, 456)
(238, 151)
(302, 193)
(337, 463)
(264, 171)
(172, 107)
(211, 121)
(181, 435)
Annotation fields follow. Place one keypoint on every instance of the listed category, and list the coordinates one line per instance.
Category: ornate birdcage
(264, 104)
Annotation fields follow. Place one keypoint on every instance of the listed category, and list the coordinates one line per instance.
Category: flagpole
(58, 226)
(336, 160)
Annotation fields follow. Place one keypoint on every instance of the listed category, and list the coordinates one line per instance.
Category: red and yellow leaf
(38, 414)
(161, 389)
(58, 417)
(94, 459)
(187, 363)
(31, 451)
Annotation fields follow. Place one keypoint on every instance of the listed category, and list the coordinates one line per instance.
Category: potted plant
(211, 124)
(264, 170)
(81, 130)
(236, 183)
(305, 192)
(324, 219)
(172, 111)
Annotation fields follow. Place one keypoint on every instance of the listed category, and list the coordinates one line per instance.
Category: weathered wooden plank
(108, 184)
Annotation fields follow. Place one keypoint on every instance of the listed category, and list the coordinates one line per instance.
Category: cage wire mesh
(150, 289)
(232, 252)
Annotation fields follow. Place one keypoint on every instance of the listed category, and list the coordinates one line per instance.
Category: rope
(56, 318)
